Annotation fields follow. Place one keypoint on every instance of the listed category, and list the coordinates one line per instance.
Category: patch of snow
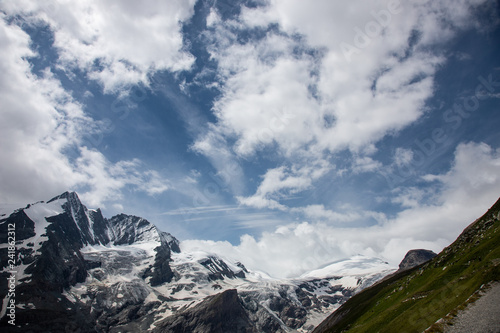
(152, 297)
(350, 282)
(38, 213)
(91, 224)
(5, 302)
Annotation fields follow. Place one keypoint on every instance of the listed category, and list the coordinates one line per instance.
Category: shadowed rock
(414, 258)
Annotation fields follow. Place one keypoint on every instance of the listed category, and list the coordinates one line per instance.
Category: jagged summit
(129, 229)
(69, 195)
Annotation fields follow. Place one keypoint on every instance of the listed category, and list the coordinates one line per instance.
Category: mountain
(79, 271)
(53, 254)
(426, 297)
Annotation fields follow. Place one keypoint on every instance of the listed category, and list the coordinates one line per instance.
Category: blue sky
(296, 132)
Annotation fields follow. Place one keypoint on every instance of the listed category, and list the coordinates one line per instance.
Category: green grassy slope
(413, 301)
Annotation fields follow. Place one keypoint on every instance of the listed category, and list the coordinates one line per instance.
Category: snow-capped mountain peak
(91, 225)
(356, 266)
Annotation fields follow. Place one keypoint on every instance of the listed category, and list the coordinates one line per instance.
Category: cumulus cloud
(265, 93)
(116, 42)
(325, 77)
(333, 103)
(403, 156)
(465, 192)
(41, 134)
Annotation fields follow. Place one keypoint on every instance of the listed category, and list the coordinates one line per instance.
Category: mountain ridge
(76, 267)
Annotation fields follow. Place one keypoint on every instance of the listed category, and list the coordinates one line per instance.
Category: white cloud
(365, 164)
(213, 18)
(41, 135)
(229, 172)
(266, 95)
(475, 174)
(38, 119)
(307, 100)
(127, 39)
(283, 182)
(411, 197)
(105, 180)
(348, 215)
(466, 192)
(403, 156)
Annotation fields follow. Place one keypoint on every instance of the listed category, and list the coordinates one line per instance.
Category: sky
(288, 134)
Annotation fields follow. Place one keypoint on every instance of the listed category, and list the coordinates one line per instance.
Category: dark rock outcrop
(219, 313)
(160, 272)
(415, 258)
(219, 269)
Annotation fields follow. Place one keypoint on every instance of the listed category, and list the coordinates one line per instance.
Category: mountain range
(77, 271)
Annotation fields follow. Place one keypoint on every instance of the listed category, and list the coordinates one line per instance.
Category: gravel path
(483, 316)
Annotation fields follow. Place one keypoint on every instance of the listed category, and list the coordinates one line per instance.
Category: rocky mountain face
(415, 258)
(77, 271)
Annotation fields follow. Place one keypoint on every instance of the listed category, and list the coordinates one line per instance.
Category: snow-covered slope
(124, 274)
